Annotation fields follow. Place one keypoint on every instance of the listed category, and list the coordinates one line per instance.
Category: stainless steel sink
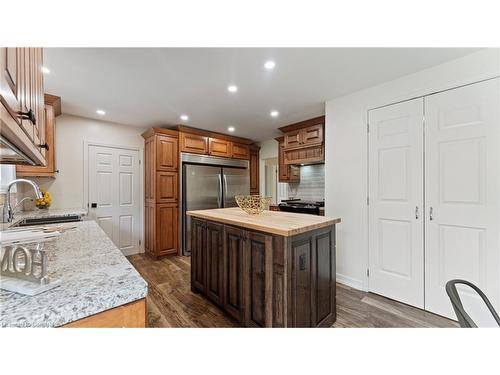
(48, 220)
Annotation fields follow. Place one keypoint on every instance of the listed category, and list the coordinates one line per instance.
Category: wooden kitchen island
(276, 269)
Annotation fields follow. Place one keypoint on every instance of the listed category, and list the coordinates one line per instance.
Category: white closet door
(462, 189)
(396, 202)
(114, 191)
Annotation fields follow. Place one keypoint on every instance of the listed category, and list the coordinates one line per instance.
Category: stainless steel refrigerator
(210, 182)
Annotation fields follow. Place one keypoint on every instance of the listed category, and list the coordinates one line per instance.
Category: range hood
(10, 154)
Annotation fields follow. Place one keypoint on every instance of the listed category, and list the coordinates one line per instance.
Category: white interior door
(114, 196)
(462, 189)
(396, 261)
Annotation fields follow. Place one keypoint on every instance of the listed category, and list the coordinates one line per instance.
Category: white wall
(71, 132)
(346, 150)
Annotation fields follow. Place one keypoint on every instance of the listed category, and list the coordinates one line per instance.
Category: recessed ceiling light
(269, 65)
(232, 88)
(274, 113)
(45, 70)
(100, 112)
(184, 117)
(231, 129)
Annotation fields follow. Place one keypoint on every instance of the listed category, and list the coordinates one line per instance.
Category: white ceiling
(154, 86)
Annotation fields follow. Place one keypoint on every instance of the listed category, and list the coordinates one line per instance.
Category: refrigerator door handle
(225, 184)
(219, 196)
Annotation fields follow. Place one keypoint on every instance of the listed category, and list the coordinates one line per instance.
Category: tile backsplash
(312, 183)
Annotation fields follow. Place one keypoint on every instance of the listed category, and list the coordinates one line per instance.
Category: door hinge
(367, 272)
(139, 161)
(367, 127)
(367, 201)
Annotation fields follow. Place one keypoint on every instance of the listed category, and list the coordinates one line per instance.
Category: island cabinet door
(234, 271)
(215, 266)
(312, 279)
(198, 256)
(259, 302)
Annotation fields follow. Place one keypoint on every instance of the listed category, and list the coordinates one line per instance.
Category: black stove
(300, 206)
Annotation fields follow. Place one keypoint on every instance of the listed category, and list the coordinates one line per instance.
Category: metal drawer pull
(30, 115)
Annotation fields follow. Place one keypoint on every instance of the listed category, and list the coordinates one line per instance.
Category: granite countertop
(275, 222)
(95, 276)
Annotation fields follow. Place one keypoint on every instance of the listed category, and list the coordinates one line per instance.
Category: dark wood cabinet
(207, 259)
(254, 170)
(22, 113)
(264, 280)
(198, 255)
(215, 262)
(260, 278)
(234, 270)
(193, 143)
(286, 172)
(313, 279)
(219, 147)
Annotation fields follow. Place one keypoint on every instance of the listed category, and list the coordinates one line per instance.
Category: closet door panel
(396, 202)
(462, 189)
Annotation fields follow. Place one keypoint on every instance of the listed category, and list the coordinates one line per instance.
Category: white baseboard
(131, 252)
(349, 281)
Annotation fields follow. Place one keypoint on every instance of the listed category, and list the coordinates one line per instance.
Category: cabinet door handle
(30, 115)
(431, 214)
(45, 146)
(416, 212)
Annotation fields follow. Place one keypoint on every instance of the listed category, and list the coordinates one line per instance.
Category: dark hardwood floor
(171, 303)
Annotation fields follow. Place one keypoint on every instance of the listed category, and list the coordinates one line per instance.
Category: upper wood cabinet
(293, 139)
(193, 143)
(254, 170)
(22, 116)
(219, 147)
(52, 109)
(305, 155)
(303, 134)
(312, 135)
(302, 143)
(205, 142)
(240, 151)
(286, 172)
(167, 154)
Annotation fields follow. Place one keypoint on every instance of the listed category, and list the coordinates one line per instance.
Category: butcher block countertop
(275, 222)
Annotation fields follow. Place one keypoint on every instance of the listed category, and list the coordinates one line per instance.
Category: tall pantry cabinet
(161, 166)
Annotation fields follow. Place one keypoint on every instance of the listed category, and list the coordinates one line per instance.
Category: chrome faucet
(8, 211)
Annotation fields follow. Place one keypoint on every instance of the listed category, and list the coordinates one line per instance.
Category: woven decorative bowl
(253, 204)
